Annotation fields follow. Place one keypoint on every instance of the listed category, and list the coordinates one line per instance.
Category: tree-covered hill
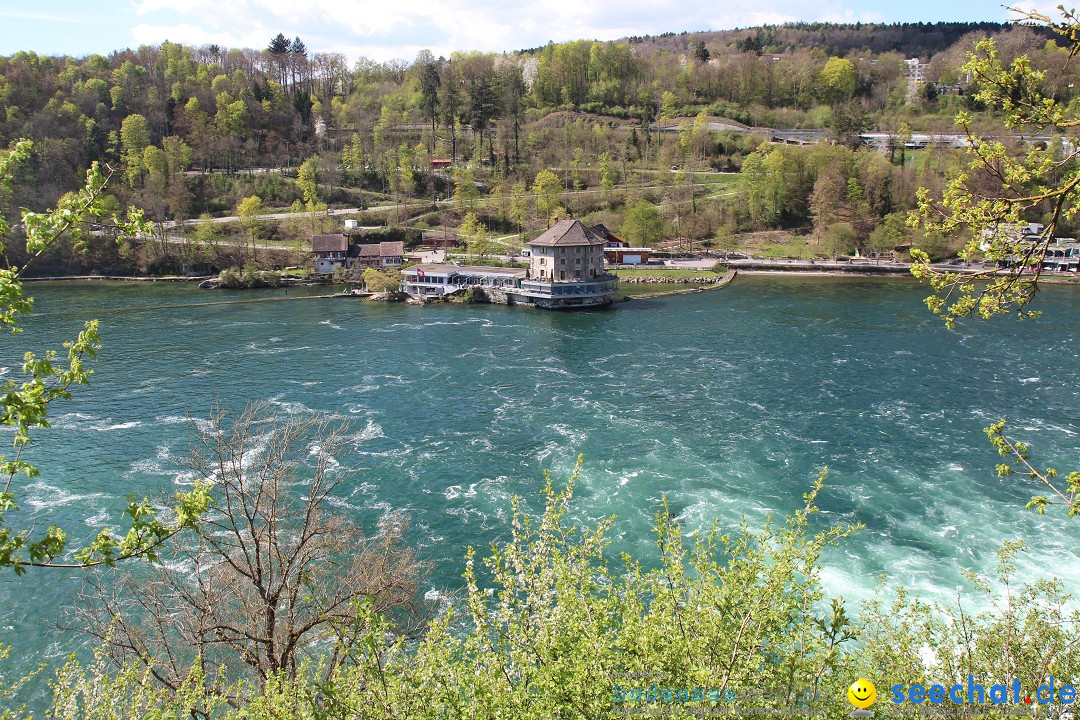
(920, 39)
(196, 130)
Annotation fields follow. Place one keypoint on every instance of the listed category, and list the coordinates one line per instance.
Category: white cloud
(188, 34)
(382, 30)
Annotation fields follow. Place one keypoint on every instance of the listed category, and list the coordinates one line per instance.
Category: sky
(387, 29)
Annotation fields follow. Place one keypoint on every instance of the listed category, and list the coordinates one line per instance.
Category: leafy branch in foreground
(24, 406)
(1002, 187)
(1067, 493)
(549, 629)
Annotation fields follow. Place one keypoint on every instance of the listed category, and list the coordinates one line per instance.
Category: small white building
(434, 280)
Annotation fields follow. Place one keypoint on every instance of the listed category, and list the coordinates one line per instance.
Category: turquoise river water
(726, 401)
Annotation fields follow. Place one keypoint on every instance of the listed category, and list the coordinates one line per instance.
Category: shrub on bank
(248, 277)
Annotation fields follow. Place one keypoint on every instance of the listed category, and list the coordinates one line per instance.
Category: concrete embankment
(121, 278)
(822, 266)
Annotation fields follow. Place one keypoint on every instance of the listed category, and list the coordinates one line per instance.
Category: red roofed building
(617, 251)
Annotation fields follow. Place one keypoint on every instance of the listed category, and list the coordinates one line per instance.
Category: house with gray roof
(566, 271)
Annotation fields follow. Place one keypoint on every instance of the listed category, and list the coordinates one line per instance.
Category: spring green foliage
(547, 187)
(549, 625)
(988, 200)
(51, 376)
(381, 280)
(838, 239)
(248, 210)
(837, 79)
(465, 190)
(474, 234)
(644, 224)
(1019, 463)
(1000, 188)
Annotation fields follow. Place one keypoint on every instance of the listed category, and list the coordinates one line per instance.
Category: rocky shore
(653, 280)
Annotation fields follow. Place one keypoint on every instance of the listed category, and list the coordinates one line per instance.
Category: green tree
(607, 174)
(465, 190)
(25, 405)
(837, 80)
(668, 109)
(644, 225)
(248, 210)
(547, 187)
(134, 138)
(381, 280)
(352, 161)
(475, 235)
(838, 239)
(1000, 189)
(519, 205)
(892, 232)
(307, 181)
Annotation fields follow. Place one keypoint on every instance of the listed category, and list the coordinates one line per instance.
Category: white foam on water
(275, 350)
(331, 325)
(455, 491)
(201, 424)
(41, 496)
(290, 407)
(1027, 381)
(82, 421)
(98, 520)
(371, 431)
(124, 426)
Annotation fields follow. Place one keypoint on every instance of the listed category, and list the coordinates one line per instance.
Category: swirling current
(726, 402)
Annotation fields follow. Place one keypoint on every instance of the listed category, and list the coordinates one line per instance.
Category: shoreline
(786, 267)
(860, 273)
(121, 278)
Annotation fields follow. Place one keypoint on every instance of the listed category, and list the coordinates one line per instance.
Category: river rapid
(728, 402)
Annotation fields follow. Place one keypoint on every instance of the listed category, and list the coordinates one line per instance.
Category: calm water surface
(726, 401)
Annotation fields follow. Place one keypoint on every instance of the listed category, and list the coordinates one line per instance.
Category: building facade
(566, 271)
(617, 251)
(381, 256)
(329, 252)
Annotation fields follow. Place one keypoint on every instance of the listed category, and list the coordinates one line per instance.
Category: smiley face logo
(862, 694)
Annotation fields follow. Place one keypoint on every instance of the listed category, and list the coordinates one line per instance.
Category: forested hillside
(194, 131)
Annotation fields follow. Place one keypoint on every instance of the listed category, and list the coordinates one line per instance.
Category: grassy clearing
(773, 245)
